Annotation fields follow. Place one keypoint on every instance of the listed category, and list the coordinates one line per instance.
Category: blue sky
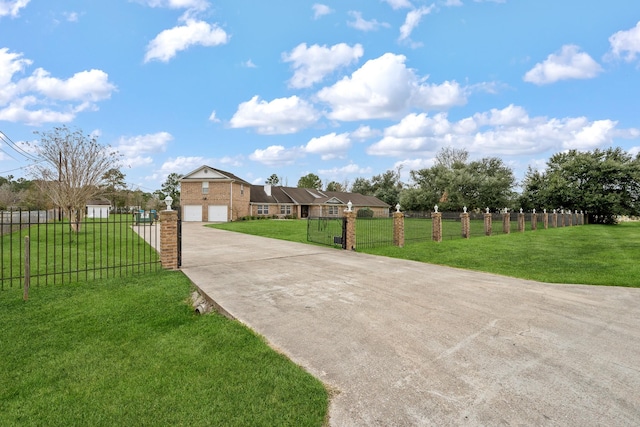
(342, 89)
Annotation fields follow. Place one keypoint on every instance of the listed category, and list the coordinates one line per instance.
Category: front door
(304, 211)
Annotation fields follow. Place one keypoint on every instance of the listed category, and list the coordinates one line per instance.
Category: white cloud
(414, 164)
(364, 132)
(313, 63)
(169, 42)
(135, 148)
(182, 164)
(329, 146)
(450, 3)
(213, 118)
(280, 116)
(359, 23)
(384, 88)
(71, 16)
(412, 20)
(348, 170)
(569, 63)
(399, 4)
(178, 4)
(40, 98)
(249, 64)
(12, 7)
(320, 10)
(277, 155)
(510, 131)
(626, 44)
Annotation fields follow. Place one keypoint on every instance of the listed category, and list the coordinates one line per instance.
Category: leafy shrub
(364, 213)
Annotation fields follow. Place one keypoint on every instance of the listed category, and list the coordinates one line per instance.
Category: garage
(218, 213)
(192, 213)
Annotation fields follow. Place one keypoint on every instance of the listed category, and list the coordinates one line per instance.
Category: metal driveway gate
(329, 231)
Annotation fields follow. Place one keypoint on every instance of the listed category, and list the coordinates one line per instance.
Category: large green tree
(170, 187)
(604, 183)
(454, 182)
(311, 180)
(273, 180)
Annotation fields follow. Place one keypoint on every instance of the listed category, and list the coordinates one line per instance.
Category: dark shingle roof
(309, 196)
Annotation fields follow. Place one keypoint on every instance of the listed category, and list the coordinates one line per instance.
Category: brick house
(212, 195)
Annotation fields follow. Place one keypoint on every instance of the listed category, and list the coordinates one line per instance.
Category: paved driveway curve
(411, 344)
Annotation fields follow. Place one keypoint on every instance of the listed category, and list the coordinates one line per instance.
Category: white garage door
(192, 213)
(218, 213)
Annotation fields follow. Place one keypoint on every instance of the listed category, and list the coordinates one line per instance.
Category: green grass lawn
(131, 352)
(590, 254)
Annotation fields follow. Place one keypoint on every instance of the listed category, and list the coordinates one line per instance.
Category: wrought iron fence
(47, 251)
(371, 232)
(329, 231)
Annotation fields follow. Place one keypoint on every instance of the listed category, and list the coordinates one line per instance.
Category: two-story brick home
(212, 195)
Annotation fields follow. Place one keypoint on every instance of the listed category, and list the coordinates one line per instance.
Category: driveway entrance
(409, 344)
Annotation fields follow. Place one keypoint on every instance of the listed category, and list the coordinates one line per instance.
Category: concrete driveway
(409, 344)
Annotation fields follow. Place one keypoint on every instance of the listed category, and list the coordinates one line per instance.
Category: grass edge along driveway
(588, 254)
(132, 352)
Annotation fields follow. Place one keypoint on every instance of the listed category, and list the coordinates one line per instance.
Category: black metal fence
(39, 247)
(371, 232)
(329, 231)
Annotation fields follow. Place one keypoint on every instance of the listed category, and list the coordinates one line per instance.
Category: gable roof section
(278, 196)
(208, 173)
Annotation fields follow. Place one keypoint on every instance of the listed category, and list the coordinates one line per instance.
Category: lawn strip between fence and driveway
(102, 248)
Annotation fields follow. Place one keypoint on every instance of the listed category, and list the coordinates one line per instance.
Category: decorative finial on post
(398, 207)
(534, 210)
(520, 210)
(554, 211)
(167, 201)
(349, 206)
(544, 210)
(506, 210)
(487, 209)
(464, 209)
(436, 208)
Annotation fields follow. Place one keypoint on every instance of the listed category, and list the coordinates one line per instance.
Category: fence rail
(101, 248)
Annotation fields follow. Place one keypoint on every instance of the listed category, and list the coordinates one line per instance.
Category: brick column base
(488, 224)
(169, 239)
(436, 226)
(521, 222)
(466, 226)
(398, 229)
(351, 230)
(534, 221)
(506, 223)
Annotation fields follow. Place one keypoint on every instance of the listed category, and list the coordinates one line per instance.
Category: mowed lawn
(589, 254)
(131, 352)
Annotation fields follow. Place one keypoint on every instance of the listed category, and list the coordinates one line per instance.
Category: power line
(4, 137)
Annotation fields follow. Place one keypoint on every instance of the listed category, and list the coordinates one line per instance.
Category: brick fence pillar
(488, 225)
(506, 223)
(534, 220)
(570, 219)
(545, 219)
(169, 239)
(351, 230)
(562, 218)
(521, 221)
(436, 226)
(554, 219)
(398, 229)
(466, 226)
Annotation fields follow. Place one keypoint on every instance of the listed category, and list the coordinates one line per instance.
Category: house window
(263, 209)
(242, 189)
(333, 210)
(285, 210)
(205, 187)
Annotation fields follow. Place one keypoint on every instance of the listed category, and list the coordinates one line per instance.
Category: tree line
(605, 184)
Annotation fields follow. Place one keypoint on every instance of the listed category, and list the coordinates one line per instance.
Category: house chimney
(267, 189)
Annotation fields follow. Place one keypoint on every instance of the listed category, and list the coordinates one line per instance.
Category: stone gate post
(534, 220)
(488, 223)
(466, 226)
(521, 221)
(436, 225)
(398, 228)
(169, 239)
(350, 216)
(506, 222)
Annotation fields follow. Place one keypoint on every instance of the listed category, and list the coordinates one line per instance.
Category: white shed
(98, 209)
